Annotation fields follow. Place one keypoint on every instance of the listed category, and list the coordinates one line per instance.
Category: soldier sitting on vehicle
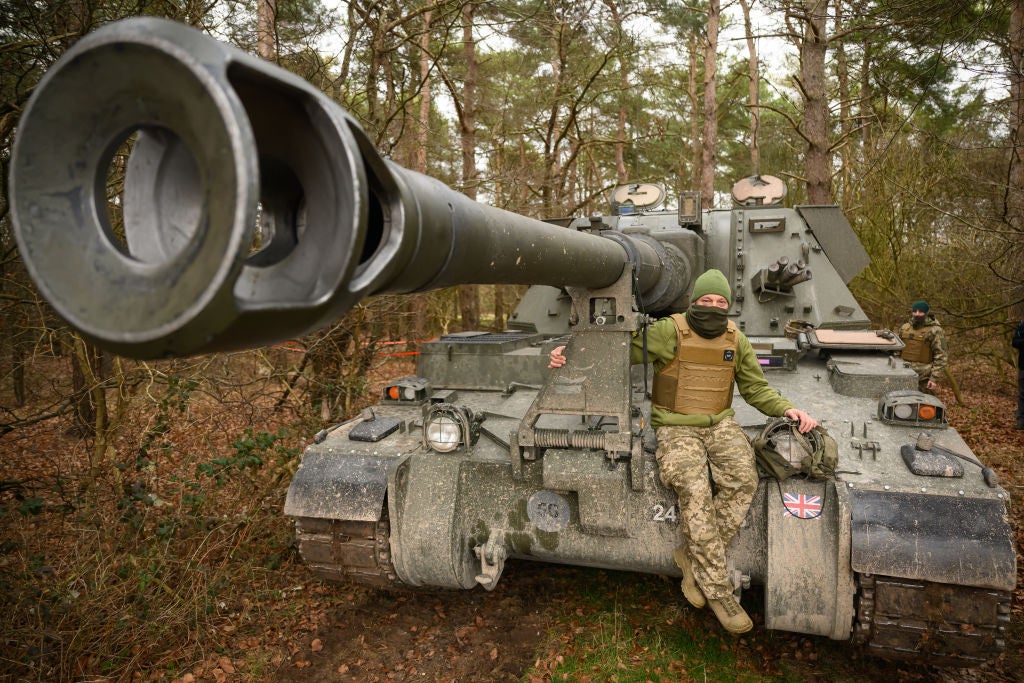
(698, 357)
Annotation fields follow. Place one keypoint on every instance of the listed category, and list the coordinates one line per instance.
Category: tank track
(930, 623)
(339, 550)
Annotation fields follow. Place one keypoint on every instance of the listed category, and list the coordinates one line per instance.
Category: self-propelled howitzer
(485, 456)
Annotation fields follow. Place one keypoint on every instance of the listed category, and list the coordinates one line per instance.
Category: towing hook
(492, 556)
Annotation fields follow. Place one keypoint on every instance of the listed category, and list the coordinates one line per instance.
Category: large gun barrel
(222, 142)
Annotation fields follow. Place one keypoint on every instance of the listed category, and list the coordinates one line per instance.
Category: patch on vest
(728, 354)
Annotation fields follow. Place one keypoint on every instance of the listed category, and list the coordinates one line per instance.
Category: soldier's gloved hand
(805, 422)
(557, 358)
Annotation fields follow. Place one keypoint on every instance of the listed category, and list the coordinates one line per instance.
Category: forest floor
(181, 568)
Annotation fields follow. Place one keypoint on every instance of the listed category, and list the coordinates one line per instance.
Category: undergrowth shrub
(135, 573)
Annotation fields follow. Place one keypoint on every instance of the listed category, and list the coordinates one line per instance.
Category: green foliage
(249, 454)
(31, 506)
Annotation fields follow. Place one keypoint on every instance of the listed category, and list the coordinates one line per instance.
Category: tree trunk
(380, 71)
(522, 192)
(552, 143)
(419, 302)
(469, 295)
(620, 136)
(621, 174)
(818, 168)
(709, 154)
(346, 55)
(90, 367)
(370, 87)
(865, 107)
(499, 308)
(467, 121)
(1014, 203)
(695, 108)
(266, 21)
(18, 377)
(754, 94)
(81, 388)
(423, 130)
(12, 345)
(73, 19)
(845, 123)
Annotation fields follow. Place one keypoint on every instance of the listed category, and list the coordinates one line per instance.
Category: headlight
(443, 433)
(447, 426)
(912, 409)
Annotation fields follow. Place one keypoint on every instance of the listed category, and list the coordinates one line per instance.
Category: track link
(931, 623)
(336, 550)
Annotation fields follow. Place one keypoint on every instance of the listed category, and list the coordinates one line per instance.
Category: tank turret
(485, 456)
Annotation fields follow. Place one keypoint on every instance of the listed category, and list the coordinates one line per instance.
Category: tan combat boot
(732, 616)
(691, 591)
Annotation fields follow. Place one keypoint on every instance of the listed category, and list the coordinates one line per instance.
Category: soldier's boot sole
(691, 591)
(731, 615)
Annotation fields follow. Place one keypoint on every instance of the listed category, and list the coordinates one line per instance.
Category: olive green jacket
(749, 378)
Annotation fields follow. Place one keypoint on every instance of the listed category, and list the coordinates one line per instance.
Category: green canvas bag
(781, 451)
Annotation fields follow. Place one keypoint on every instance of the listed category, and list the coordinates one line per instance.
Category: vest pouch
(663, 393)
(917, 349)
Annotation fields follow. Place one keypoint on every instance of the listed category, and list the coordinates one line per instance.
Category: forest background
(140, 502)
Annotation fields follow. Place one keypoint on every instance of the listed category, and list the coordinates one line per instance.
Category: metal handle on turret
(223, 141)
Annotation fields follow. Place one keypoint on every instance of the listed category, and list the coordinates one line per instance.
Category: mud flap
(428, 547)
(331, 486)
(945, 539)
(809, 587)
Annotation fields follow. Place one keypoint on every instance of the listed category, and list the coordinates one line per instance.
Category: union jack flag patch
(801, 505)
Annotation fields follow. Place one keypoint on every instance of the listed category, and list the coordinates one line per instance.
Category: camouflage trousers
(689, 459)
(924, 371)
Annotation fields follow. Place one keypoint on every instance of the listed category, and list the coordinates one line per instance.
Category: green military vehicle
(485, 456)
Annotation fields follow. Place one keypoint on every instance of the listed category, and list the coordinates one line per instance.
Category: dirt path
(372, 635)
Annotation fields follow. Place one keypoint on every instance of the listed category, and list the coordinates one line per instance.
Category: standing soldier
(698, 358)
(1018, 343)
(924, 346)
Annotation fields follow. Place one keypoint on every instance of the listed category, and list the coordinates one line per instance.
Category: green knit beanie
(919, 306)
(711, 282)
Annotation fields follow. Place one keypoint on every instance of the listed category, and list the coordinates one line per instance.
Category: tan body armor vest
(698, 381)
(916, 349)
